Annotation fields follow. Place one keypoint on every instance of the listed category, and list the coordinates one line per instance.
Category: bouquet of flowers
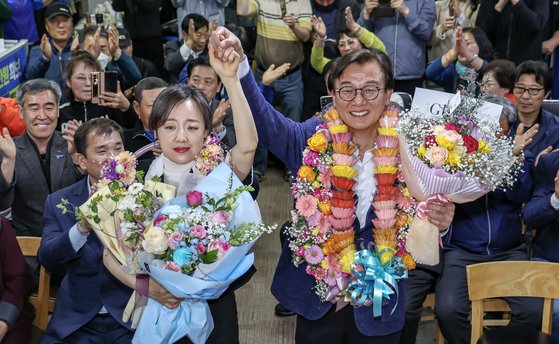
(196, 247)
(322, 234)
(459, 156)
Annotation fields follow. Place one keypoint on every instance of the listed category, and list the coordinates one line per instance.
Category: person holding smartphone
(80, 84)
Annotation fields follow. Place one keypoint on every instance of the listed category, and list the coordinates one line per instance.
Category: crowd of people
(261, 94)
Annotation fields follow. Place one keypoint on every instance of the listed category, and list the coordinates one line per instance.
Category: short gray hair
(35, 86)
(509, 110)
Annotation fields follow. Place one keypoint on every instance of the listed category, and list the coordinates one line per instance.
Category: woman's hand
(161, 295)
(440, 213)
(318, 26)
(350, 22)
(115, 100)
(226, 66)
(272, 73)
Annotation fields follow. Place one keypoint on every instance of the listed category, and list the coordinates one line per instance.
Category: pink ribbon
(421, 207)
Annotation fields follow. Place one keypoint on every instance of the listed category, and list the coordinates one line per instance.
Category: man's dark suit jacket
(27, 193)
(87, 286)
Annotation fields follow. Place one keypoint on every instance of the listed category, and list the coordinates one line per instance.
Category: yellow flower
(307, 173)
(387, 132)
(421, 151)
(347, 172)
(453, 159)
(408, 261)
(318, 142)
(386, 255)
(315, 231)
(347, 259)
(338, 129)
(483, 147)
(386, 169)
(406, 192)
(324, 264)
(441, 141)
(324, 208)
(316, 184)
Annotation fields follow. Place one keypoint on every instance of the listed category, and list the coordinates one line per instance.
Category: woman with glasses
(354, 37)
(464, 64)
(361, 84)
(79, 86)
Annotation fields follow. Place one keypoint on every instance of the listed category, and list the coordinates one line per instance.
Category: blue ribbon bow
(374, 282)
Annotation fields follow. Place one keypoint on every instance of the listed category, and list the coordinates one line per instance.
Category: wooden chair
(42, 301)
(511, 279)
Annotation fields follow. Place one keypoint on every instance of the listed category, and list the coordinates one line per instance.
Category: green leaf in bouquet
(209, 257)
(140, 176)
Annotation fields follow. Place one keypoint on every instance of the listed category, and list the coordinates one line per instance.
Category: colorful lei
(322, 234)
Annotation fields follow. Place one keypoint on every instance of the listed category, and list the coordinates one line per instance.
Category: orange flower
(385, 152)
(307, 173)
(345, 195)
(340, 203)
(324, 208)
(408, 261)
(343, 148)
(331, 115)
(385, 178)
(318, 142)
(343, 184)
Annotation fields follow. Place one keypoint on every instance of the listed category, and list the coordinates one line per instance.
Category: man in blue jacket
(90, 301)
(48, 59)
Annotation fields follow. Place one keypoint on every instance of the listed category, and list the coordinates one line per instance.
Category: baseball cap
(56, 9)
(123, 38)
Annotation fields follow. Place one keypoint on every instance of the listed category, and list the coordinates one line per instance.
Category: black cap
(56, 9)
(124, 39)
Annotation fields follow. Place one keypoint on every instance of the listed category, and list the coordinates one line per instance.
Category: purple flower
(314, 255)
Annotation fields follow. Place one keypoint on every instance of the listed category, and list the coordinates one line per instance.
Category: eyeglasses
(531, 91)
(348, 93)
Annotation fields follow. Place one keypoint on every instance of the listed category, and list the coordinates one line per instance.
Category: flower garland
(322, 233)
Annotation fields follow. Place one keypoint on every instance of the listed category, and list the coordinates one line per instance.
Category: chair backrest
(511, 278)
(29, 246)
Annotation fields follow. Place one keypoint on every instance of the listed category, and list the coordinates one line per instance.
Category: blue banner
(12, 66)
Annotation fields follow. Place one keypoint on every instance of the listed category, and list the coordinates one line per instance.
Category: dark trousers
(336, 328)
(420, 282)
(452, 302)
(226, 323)
(102, 329)
(407, 86)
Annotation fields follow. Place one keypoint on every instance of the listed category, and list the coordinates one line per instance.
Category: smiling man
(532, 84)
(36, 163)
(48, 59)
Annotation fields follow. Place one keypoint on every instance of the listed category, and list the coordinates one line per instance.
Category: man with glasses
(532, 84)
(195, 31)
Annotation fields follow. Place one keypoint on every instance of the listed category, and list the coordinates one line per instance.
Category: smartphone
(384, 9)
(324, 101)
(99, 19)
(451, 10)
(95, 87)
(103, 82)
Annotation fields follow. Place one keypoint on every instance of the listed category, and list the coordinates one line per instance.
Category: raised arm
(242, 154)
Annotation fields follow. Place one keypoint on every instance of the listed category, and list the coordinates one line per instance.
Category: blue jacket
(405, 38)
(22, 24)
(291, 285)
(52, 69)
(87, 286)
(547, 134)
(492, 224)
(539, 213)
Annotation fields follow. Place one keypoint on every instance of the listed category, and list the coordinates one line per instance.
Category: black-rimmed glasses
(348, 93)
